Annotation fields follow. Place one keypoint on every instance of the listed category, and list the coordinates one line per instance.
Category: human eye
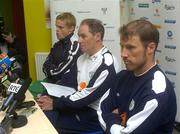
(59, 27)
(129, 47)
(82, 36)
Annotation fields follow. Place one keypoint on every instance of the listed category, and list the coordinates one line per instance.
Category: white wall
(108, 11)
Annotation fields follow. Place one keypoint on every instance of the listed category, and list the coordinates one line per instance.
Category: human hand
(123, 116)
(8, 37)
(45, 102)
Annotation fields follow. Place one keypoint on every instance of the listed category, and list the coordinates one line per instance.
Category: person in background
(59, 65)
(11, 46)
(96, 70)
(143, 99)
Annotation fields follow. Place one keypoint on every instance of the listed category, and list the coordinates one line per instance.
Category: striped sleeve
(98, 85)
(72, 57)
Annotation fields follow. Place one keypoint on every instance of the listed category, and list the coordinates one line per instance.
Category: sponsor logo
(170, 21)
(58, 12)
(109, 40)
(159, 51)
(169, 7)
(91, 74)
(156, 1)
(168, 59)
(131, 105)
(170, 46)
(83, 12)
(143, 5)
(110, 27)
(132, 11)
(14, 88)
(144, 18)
(118, 94)
(169, 34)
(170, 72)
(104, 10)
(156, 13)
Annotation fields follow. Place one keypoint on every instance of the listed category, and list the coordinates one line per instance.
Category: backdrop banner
(164, 14)
(108, 11)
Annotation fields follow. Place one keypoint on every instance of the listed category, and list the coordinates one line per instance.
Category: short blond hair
(68, 18)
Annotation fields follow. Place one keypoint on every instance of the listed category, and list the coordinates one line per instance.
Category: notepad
(58, 90)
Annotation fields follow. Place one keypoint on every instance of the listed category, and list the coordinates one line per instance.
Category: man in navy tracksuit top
(96, 69)
(143, 99)
(63, 56)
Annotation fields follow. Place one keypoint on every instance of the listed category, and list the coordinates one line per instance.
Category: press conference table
(37, 122)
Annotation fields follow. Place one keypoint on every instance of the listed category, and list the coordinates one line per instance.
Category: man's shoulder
(56, 44)
(108, 58)
(73, 38)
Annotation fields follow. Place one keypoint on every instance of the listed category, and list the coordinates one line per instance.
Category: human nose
(57, 29)
(79, 40)
(124, 52)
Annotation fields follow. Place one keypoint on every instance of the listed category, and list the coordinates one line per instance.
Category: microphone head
(5, 62)
(17, 93)
(20, 96)
(12, 77)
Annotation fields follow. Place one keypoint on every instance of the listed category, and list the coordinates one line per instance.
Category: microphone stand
(17, 120)
(6, 125)
(12, 120)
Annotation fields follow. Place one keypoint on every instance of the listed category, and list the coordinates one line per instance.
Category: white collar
(146, 70)
(96, 55)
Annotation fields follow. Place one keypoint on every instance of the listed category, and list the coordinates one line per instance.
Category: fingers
(44, 102)
(8, 37)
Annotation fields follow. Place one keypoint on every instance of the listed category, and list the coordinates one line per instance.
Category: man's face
(62, 30)
(87, 40)
(134, 54)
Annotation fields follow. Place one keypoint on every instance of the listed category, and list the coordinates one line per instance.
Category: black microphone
(12, 77)
(12, 101)
(10, 98)
(2, 130)
(17, 93)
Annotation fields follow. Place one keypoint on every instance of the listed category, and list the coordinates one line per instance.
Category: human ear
(151, 47)
(71, 29)
(98, 36)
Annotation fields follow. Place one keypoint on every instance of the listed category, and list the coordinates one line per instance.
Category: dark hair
(146, 31)
(95, 26)
(68, 18)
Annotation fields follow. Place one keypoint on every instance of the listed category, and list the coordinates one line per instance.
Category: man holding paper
(96, 70)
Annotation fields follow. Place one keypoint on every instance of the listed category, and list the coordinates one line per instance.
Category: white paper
(58, 90)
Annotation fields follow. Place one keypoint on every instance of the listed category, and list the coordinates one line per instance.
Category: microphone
(17, 92)
(12, 77)
(2, 130)
(16, 96)
(5, 62)
(13, 88)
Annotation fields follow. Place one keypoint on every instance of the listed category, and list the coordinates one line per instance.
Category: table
(38, 123)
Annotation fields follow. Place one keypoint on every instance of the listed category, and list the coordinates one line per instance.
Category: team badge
(91, 74)
(131, 105)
